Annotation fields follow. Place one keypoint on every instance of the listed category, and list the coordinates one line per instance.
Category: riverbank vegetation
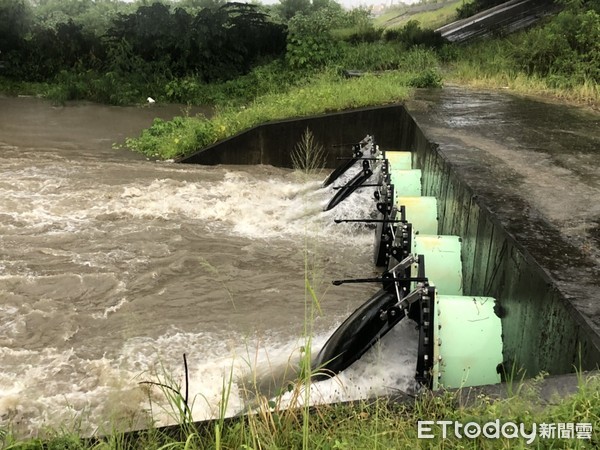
(429, 15)
(256, 63)
(561, 57)
(572, 423)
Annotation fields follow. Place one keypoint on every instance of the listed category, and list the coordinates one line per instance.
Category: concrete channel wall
(542, 331)
(508, 17)
(273, 143)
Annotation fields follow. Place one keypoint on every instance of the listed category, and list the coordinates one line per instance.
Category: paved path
(536, 165)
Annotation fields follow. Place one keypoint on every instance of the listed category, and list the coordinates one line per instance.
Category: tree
(289, 8)
(15, 22)
(195, 6)
(228, 40)
(470, 8)
(152, 31)
(215, 43)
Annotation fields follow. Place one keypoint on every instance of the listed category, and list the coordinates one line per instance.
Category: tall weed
(308, 156)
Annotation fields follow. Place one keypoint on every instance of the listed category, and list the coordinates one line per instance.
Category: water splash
(111, 271)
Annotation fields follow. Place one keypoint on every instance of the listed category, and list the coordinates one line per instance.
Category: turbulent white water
(112, 268)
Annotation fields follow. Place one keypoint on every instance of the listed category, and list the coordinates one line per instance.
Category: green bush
(411, 34)
(310, 43)
(373, 57)
(109, 87)
(567, 50)
(473, 7)
(357, 35)
(381, 56)
(429, 78)
(272, 77)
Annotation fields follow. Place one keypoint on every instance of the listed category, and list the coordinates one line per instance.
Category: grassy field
(396, 17)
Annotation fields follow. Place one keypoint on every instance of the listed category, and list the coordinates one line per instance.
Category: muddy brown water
(112, 267)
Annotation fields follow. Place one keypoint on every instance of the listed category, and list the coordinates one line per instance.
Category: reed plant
(308, 156)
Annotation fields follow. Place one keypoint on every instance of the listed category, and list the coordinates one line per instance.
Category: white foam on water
(122, 387)
(110, 309)
(46, 388)
(51, 386)
(247, 206)
(264, 365)
(387, 368)
(49, 200)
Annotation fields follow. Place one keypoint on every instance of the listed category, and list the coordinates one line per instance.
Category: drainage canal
(107, 265)
(495, 276)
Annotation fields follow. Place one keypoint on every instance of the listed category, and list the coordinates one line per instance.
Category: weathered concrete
(518, 180)
(505, 18)
(539, 393)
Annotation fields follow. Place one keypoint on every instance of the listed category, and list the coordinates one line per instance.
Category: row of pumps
(460, 336)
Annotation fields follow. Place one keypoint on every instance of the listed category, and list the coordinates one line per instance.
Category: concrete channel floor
(536, 166)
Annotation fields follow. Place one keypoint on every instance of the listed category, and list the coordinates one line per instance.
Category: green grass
(365, 425)
(12, 87)
(323, 92)
(397, 17)
(326, 92)
(439, 17)
(467, 74)
(490, 65)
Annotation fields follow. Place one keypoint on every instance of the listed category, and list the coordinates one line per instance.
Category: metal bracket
(401, 251)
(361, 186)
(425, 347)
(367, 220)
(378, 280)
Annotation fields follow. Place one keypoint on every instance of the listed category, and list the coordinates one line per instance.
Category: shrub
(427, 79)
(310, 43)
(412, 34)
(567, 48)
(325, 92)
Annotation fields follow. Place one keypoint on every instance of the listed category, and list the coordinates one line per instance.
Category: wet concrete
(534, 167)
